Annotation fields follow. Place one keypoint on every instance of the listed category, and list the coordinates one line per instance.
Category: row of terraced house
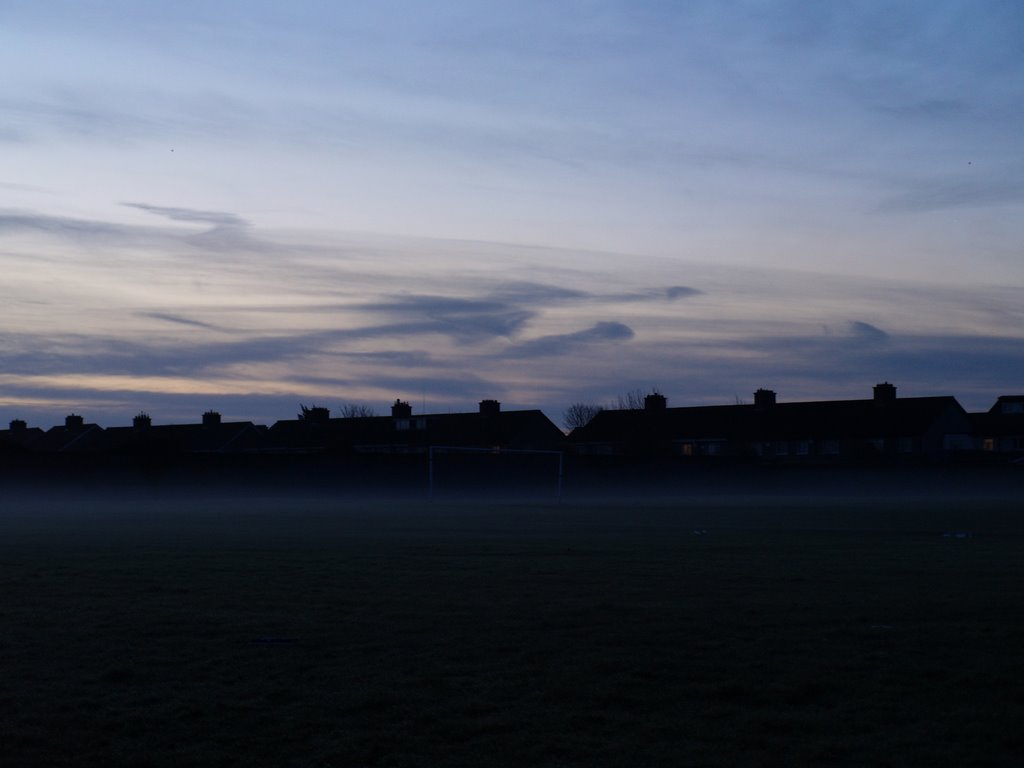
(883, 427)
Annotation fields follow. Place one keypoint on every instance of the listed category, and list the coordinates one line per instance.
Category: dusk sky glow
(245, 206)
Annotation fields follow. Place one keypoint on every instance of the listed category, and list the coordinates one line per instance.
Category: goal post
(435, 450)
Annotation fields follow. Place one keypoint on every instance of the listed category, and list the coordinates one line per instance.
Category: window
(687, 449)
(803, 448)
(988, 444)
(401, 424)
(906, 445)
(830, 447)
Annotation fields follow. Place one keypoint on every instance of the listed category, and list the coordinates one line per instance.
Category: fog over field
(303, 629)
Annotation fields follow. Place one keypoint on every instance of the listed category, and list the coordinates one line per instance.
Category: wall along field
(219, 631)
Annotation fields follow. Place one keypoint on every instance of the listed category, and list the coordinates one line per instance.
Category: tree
(356, 411)
(314, 413)
(579, 414)
(631, 401)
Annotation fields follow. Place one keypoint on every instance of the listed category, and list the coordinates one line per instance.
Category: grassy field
(211, 631)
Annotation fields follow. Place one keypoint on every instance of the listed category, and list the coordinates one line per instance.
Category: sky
(251, 206)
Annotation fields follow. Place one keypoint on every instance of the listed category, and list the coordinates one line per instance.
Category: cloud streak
(945, 194)
(191, 215)
(461, 321)
(867, 332)
(560, 344)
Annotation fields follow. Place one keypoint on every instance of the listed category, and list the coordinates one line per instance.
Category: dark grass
(215, 632)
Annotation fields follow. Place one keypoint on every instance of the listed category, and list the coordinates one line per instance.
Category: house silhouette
(1001, 429)
(403, 432)
(883, 426)
(211, 435)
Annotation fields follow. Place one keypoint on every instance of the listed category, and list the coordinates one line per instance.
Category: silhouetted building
(75, 436)
(882, 427)
(20, 438)
(1001, 429)
(210, 436)
(404, 432)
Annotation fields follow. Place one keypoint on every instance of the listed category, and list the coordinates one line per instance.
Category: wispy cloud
(411, 317)
(179, 320)
(681, 292)
(533, 292)
(960, 191)
(192, 215)
(60, 226)
(557, 344)
(867, 332)
(927, 109)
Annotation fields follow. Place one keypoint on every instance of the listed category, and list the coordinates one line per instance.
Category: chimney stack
(18, 425)
(764, 398)
(401, 410)
(142, 421)
(73, 421)
(884, 392)
(211, 419)
(490, 407)
(655, 402)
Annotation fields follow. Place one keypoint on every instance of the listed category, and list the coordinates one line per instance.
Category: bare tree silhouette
(631, 401)
(356, 411)
(579, 414)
